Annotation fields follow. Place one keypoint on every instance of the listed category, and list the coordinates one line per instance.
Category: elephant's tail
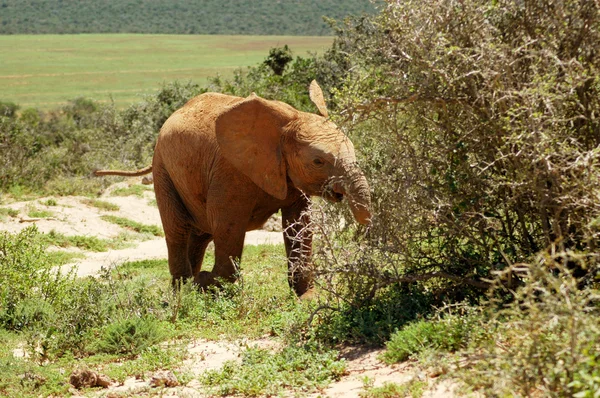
(124, 173)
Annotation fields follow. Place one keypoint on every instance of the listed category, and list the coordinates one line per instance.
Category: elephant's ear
(249, 135)
(316, 96)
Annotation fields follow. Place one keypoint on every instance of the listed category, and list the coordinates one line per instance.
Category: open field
(48, 70)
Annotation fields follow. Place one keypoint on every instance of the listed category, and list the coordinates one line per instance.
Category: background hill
(256, 17)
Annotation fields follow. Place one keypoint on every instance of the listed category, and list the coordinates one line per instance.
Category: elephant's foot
(301, 280)
(205, 279)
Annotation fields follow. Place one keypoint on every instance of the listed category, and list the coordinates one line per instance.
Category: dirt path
(76, 216)
(208, 355)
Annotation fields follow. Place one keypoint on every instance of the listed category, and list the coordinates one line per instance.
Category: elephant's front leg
(298, 245)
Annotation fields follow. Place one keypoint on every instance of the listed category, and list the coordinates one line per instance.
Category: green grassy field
(45, 71)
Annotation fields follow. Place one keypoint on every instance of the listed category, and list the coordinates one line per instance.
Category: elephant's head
(273, 144)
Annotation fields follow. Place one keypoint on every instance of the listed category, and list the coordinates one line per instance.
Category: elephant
(223, 165)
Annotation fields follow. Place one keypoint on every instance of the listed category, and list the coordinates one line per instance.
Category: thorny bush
(478, 123)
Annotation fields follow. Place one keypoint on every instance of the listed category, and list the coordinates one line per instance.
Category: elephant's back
(197, 117)
(207, 105)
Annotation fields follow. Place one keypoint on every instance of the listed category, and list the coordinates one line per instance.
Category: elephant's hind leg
(229, 244)
(175, 219)
(197, 243)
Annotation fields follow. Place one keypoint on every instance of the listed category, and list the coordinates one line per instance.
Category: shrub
(58, 150)
(362, 318)
(477, 126)
(129, 336)
(8, 109)
(283, 78)
(413, 388)
(29, 284)
(447, 332)
(546, 341)
(278, 59)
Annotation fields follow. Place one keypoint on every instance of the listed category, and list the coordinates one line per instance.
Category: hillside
(257, 17)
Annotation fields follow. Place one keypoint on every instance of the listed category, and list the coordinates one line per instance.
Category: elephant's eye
(318, 162)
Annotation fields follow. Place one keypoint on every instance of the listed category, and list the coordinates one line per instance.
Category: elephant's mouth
(337, 197)
(332, 194)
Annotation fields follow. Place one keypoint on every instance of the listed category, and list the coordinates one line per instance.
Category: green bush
(129, 336)
(371, 319)
(57, 151)
(278, 59)
(59, 314)
(30, 285)
(8, 109)
(283, 78)
(413, 388)
(446, 333)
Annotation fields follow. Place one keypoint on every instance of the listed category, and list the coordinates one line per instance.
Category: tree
(278, 59)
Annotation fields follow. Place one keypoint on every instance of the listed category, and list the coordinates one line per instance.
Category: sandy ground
(72, 216)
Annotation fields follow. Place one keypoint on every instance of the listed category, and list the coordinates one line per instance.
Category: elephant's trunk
(357, 191)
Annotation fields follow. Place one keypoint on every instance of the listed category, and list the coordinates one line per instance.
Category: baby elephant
(223, 165)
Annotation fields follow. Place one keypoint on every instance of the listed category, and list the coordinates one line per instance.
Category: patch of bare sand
(70, 216)
(211, 355)
(363, 364)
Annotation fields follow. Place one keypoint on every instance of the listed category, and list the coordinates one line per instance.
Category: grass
(34, 212)
(263, 372)
(86, 242)
(132, 190)
(7, 212)
(60, 257)
(134, 225)
(23, 378)
(127, 322)
(414, 389)
(101, 204)
(158, 268)
(45, 71)
(164, 356)
(50, 202)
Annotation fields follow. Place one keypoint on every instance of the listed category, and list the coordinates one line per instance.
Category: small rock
(82, 378)
(436, 372)
(164, 379)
